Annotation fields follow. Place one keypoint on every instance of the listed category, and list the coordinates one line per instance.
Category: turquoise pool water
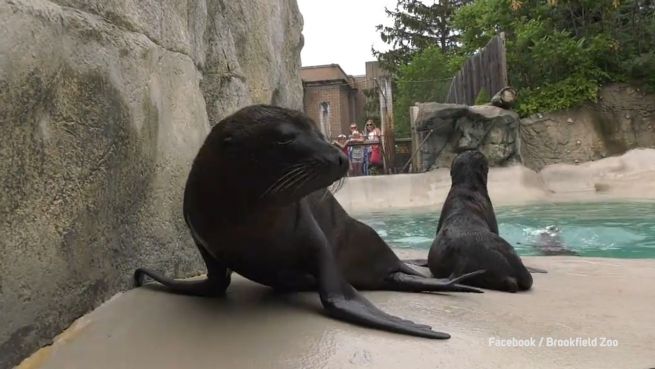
(617, 230)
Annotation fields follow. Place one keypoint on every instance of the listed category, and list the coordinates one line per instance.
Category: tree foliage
(416, 27)
(560, 52)
(425, 78)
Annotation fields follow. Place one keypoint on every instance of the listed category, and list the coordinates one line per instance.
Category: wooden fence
(487, 70)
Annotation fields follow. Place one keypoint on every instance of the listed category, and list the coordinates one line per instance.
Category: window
(324, 113)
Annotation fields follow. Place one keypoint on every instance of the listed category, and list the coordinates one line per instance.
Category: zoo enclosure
(486, 70)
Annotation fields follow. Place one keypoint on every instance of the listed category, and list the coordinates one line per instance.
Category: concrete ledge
(252, 328)
(630, 176)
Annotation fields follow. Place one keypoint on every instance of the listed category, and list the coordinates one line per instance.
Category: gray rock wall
(103, 105)
(622, 119)
(456, 128)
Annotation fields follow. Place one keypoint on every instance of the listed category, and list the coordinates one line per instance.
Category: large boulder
(455, 128)
(103, 106)
(622, 119)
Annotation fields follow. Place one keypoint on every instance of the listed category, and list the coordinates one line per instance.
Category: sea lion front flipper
(217, 281)
(343, 302)
(400, 281)
(535, 270)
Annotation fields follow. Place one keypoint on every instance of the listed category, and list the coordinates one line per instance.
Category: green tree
(560, 52)
(372, 106)
(416, 27)
(425, 78)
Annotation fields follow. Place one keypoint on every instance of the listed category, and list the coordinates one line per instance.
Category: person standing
(356, 154)
(374, 136)
(353, 129)
(342, 143)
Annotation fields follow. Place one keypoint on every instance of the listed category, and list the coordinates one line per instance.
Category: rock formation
(622, 119)
(454, 128)
(103, 105)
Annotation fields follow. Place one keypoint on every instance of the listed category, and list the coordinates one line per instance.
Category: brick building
(334, 99)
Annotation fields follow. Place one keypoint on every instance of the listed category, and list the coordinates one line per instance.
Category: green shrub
(641, 69)
(562, 94)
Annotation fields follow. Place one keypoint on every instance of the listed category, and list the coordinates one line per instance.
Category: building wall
(346, 109)
(337, 95)
(345, 95)
(362, 83)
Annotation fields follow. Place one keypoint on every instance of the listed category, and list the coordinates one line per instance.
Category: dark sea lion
(550, 243)
(256, 203)
(467, 234)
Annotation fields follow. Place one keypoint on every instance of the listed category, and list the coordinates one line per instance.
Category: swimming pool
(611, 229)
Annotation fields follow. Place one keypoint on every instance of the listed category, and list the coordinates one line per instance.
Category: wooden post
(416, 159)
(386, 121)
(502, 56)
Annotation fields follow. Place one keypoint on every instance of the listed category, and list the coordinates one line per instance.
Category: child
(356, 154)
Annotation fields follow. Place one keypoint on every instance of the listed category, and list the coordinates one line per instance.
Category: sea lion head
(274, 154)
(470, 167)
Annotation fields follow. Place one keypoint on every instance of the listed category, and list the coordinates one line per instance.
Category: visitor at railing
(357, 155)
(353, 129)
(374, 152)
(342, 143)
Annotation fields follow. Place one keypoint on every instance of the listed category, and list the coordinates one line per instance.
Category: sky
(342, 32)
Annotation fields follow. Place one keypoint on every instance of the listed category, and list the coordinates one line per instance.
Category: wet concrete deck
(581, 298)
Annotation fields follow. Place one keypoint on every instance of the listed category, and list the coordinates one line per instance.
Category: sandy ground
(606, 301)
(606, 304)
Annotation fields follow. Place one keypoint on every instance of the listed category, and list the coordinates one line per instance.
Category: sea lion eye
(227, 140)
(285, 139)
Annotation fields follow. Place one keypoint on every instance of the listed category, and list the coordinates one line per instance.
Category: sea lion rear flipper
(417, 262)
(400, 281)
(343, 302)
(413, 269)
(217, 281)
(535, 270)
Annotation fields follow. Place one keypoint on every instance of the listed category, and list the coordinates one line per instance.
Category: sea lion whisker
(289, 174)
(296, 169)
(301, 183)
(297, 182)
(288, 182)
(288, 179)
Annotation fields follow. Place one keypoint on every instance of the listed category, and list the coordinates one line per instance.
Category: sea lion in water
(256, 203)
(549, 243)
(467, 234)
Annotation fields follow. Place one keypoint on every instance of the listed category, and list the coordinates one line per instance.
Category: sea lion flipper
(400, 281)
(344, 302)
(203, 287)
(535, 270)
(417, 262)
(358, 310)
(217, 281)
